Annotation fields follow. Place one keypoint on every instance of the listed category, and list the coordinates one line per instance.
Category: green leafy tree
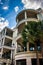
(40, 28)
(33, 33)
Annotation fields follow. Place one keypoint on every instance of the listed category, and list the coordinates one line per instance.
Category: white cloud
(5, 7)
(1, 19)
(32, 4)
(3, 23)
(13, 27)
(16, 9)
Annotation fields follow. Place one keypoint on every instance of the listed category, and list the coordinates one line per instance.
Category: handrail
(24, 20)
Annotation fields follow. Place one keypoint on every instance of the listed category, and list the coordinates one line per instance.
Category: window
(34, 61)
(41, 61)
(31, 47)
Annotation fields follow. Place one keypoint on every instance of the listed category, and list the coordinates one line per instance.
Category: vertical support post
(27, 46)
(25, 18)
(2, 45)
(25, 15)
(17, 20)
(5, 31)
(28, 61)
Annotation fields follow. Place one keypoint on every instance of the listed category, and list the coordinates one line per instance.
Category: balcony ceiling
(6, 50)
(7, 40)
(27, 10)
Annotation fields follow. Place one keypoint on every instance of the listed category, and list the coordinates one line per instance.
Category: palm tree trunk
(37, 54)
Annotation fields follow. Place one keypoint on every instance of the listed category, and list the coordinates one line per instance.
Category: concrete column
(8, 62)
(0, 42)
(28, 61)
(25, 15)
(3, 40)
(5, 31)
(16, 48)
(0, 63)
(2, 45)
(15, 62)
(25, 18)
(27, 46)
(11, 54)
(17, 20)
(2, 34)
(1, 52)
(26, 23)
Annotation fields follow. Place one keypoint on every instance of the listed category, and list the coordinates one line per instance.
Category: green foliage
(32, 32)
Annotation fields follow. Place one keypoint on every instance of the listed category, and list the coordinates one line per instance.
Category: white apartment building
(6, 37)
(11, 40)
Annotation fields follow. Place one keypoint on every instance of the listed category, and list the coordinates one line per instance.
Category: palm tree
(32, 33)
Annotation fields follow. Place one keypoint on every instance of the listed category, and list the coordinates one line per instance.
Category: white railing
(25, 20)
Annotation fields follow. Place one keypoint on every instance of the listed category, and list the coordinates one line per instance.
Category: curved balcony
(23, 55)
(26, 20)
(27, 13)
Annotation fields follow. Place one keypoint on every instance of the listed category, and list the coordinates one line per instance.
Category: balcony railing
(30, 53)
(8, 44)
(8, 34)
(28, 19)
(21, 50)
(6, 56)
(30, 49)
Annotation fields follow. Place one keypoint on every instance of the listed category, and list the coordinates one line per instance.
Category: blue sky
(10, 8)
